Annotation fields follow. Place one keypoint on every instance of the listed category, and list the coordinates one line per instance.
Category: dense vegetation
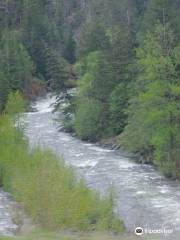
(48, 190)
(126, 56)
(128, 61)
(35, 45)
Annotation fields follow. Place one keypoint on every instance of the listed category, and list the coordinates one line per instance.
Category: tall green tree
(57, 70)
(120, 57)
(162, 11)
(94, 86)
(38, 32)
(154, 112)
(16, 67)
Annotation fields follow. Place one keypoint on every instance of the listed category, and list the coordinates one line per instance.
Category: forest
(123, 59)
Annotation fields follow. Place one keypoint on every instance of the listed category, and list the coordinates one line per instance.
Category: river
(144, 197)
(7, 213)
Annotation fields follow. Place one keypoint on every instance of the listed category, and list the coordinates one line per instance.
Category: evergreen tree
(154, 112)
(16, 67)
(57, 70)
(120, 57)
(106, 73)
(162, 11)
(94, 86)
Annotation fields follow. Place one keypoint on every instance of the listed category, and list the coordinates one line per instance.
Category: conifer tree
(154, 112)
(16, 67)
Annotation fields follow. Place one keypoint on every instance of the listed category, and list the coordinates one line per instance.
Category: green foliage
(70, 48)
(87, 124)
(39, 31)
(56, 70)
(48, 41)
(15, 103)
(66, 107)
(118, 103)
(93, 38)
(92, 104)
(41, 38)
(16, 67)
(154, 112)
(104, 76)
(30, 27)
(162, 11)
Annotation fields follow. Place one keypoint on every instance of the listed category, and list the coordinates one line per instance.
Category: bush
(15, 103)
(87, 123)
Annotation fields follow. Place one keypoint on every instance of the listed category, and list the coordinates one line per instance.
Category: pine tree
(162, 11)
(57, 70)
(16, 67)
(154, 112)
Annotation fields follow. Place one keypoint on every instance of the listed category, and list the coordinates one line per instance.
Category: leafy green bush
(15, 103)
(87, 123)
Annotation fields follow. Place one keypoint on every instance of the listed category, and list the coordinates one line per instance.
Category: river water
(7, 210)
(144, 197)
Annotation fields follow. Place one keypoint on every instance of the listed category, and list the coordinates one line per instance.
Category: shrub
(87, 123)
